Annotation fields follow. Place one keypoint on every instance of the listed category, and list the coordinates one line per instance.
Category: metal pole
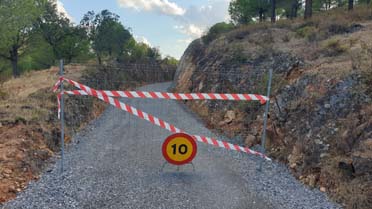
(267, 108)
(263, 139)
(62, 118)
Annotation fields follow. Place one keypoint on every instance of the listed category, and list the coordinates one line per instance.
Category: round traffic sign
(179, 149)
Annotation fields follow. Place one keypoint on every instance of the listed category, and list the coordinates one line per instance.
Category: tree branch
(4, 56)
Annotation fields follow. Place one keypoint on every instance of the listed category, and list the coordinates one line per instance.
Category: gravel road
(115, 163)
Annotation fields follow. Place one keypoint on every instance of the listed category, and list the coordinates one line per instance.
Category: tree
(74, 44)
(308, 9)
(273, 11)
(17, 18)
(153, 53)
(110, 38)
(216, 30)
(245, 11)
(294, 8)
(107, 34)
(54, 27)
(351, 4)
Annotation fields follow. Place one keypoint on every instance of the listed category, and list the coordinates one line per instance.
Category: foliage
(66, 40)
(17, 18)
(308, 32)
(246, 11)
(107, 34)
(216, 30)
(168, 60)
(334, 47)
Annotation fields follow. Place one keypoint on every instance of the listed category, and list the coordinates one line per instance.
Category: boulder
(362, 158)
(250, 141)
(230, 116)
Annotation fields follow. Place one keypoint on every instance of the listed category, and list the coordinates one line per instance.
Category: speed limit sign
(179, 149)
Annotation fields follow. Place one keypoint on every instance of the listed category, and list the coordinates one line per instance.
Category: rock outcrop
(321, 106)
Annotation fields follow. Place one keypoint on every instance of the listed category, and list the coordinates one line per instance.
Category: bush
(216, 30)
(3, 95)
(334, 47)
(308, 32)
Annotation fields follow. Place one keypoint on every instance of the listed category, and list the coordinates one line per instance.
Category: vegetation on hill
(34, 35)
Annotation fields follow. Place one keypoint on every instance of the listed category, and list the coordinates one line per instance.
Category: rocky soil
(321, 102)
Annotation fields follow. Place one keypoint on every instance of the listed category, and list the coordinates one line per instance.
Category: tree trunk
(351, 4)
(99, 59)
(294, 9)
(260, 15)
(308, 8)
(14, 61)
(273, 11)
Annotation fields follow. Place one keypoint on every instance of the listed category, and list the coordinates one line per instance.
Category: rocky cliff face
(321, 106)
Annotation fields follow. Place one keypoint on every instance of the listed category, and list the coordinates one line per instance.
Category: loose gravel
(115, 162)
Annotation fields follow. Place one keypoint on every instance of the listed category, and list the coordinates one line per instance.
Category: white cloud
(190, 30)
(61, 9)
(197, 20)
(142, 39)
(161, 6)
(185, 41)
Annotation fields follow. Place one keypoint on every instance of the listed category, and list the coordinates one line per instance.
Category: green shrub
(216, 30)
(333, 47)
(3, 95)
(308, 32)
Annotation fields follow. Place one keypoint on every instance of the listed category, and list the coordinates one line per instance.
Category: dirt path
(115, 163)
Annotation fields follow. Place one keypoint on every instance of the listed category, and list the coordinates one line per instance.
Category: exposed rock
(7, 171)
(312, 180)
(293, 165)
(323, 189)
(320, 112)
(250, 141)
(362, 158)
(228, 118)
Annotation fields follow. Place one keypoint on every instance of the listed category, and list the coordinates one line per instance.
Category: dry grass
(21, 99)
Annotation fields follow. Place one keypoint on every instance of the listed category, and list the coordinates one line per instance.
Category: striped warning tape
(164, 95)
(159, 122)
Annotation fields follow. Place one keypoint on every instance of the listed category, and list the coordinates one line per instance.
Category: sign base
(178, 166)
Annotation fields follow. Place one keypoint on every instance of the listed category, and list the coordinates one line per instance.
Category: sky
(169, 25)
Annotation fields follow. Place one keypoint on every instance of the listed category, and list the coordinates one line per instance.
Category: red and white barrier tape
(159, 122)
(163, 95)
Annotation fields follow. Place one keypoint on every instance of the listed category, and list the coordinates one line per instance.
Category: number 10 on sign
(179, 149)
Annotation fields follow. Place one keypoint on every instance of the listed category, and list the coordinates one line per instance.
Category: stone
(323, 155)
(323, 189)
(201, 85)
(230, 116)
(327, 106)
(312, 180)
(250, 141)
(293, 165)
(362, 158)
(7, 171)
(318, 141)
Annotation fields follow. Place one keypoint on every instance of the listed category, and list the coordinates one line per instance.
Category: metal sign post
(62, 117)
(267, 108)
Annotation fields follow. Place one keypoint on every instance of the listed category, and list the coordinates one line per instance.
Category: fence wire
(80, 110)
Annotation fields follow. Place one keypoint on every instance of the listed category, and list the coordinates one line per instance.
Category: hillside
(321, 105)
(29, 128)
